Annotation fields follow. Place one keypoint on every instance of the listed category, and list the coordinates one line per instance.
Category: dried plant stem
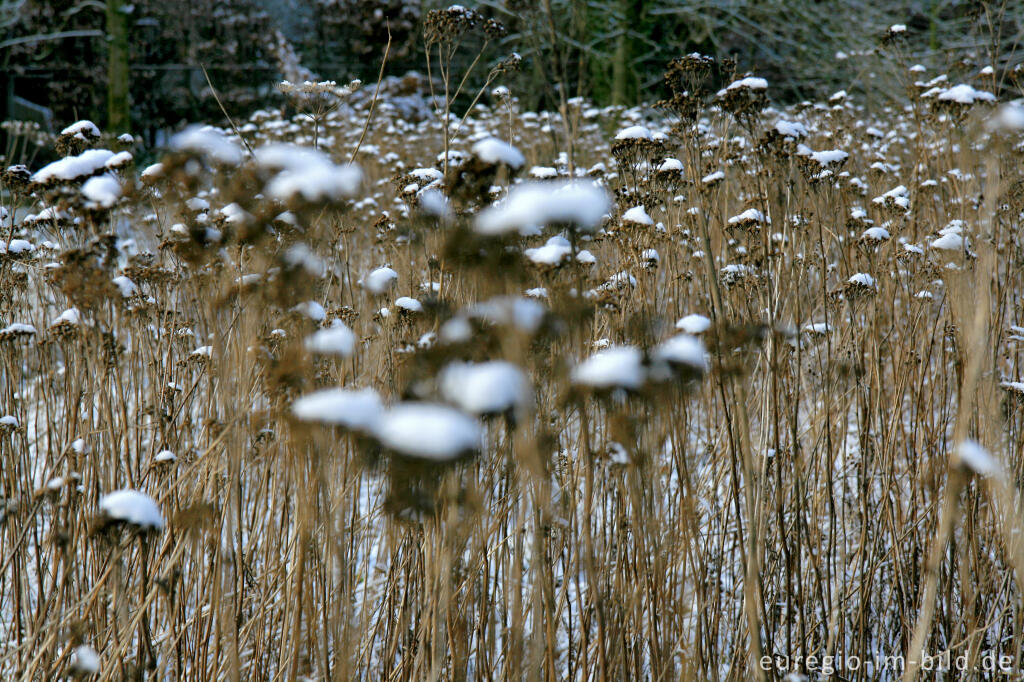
(373, 102)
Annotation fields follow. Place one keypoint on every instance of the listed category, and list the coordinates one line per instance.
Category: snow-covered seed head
(428, 431)
(487, 388)
(745, 97)
(616, 367)
(133, 509)
(84, 662)
(352, 409)
(380, 281)
(684, 354)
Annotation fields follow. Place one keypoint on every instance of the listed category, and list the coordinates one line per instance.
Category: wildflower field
(386, 384)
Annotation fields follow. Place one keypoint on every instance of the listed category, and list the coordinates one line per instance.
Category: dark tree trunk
(118, 74)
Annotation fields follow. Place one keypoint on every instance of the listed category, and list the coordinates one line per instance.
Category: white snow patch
(875, 234)
(134, 507)
(830, 157)
(308, 173)
(70, 316)
(485, 388)
(337, 339)
(103, 191)
(16, 247)
(311, 309)
(118, 160)
(1009, 117)
(74, 167)
(428, 431)
(380, 280)
(19, 328)
(791, 129)
(976, 458)
(532, 205)
(209, 142)
(85, 127)
(899, 195)
(614, 367)
(495, 151)
(435, 203)
(84, 658)
(750, 83)
(713, 177)
(357, 409)
(408, 304)
(153, 171)
(683, 349)
(634, 133)
(966, 94)
(693, 324)
(552, 253)
(165, 456)
(637, 215)
(950, 241)
(522, 313)
(751, 215)
(862, 279)
(126, 286)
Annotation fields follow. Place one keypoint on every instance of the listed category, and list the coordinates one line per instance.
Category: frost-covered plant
(444, 30)
(317, 99)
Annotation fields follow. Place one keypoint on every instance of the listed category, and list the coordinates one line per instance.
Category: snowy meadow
(374, 386)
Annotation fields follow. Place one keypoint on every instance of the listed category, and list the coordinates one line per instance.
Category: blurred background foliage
(54, 52)
(618, 48)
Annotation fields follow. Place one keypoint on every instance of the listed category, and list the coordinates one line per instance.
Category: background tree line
(57, 52)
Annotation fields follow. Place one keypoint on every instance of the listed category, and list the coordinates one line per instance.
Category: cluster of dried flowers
(595, 362)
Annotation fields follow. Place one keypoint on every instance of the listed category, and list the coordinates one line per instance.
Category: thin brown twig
(373, 103)
(225, 111)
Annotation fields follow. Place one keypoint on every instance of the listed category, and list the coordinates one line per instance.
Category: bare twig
(225, 111)
(376, 90)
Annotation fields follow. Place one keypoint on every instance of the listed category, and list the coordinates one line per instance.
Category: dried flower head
(16, 178)
(744, 98)
(451, 24)
(509, 64)
(494, 29)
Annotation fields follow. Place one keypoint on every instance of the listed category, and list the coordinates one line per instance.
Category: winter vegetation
(404, 379)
